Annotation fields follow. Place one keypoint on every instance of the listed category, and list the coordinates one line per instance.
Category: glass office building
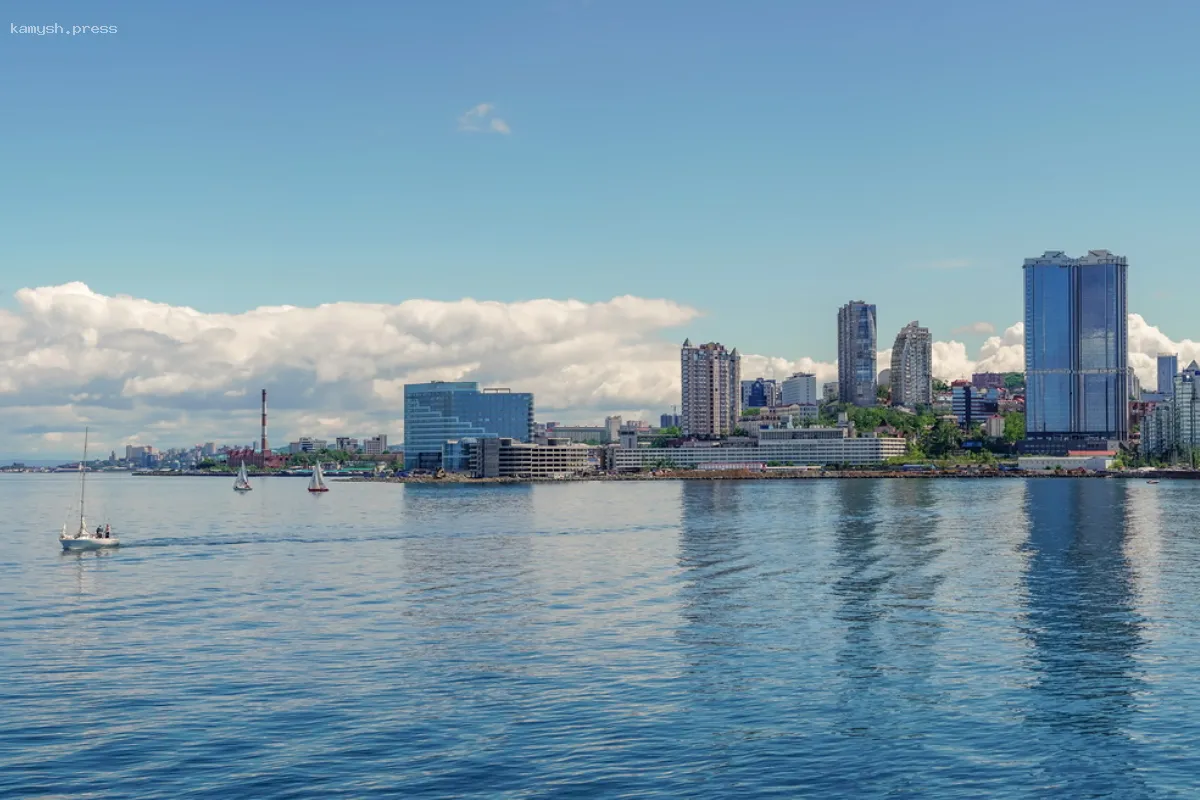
(857, 375)
(1076, 350)
(1168, 368)
(441, 414)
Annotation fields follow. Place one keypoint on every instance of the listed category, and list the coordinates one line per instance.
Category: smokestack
(264, 424)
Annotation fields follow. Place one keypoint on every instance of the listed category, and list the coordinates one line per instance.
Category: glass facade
(857, 375)
(440, 413)
(1076, 347)
(1168, 368)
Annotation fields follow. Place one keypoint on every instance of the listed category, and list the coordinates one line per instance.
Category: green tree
(751, 412)
(941, 440)
(940, 385)
(1014, 426)
(740, 432)
(1014, 380)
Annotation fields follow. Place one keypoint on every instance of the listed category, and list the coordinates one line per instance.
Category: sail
(243, 481)
(317, 482)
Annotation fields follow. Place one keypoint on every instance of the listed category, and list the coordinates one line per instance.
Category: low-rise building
(1088, 460)
(820, 451)
(509, 458)
(375, 446)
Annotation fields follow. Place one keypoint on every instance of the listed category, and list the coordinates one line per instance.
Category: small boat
(1154, 481)
(317, 482)
(242, 484)
(83, 539)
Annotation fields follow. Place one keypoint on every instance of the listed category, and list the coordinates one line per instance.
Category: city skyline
(161, 374)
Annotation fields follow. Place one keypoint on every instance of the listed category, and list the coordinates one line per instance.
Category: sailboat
(317, 483)
(82, 538)
(242, 484)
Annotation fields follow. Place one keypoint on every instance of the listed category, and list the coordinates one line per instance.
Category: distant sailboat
(317, 483)
(242, 484)
(83, 539)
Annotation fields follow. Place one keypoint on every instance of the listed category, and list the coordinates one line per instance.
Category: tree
(943, 439)
(1014, 380)
(751, 412)
(1014, 426)
(940, 385)
(739, 432)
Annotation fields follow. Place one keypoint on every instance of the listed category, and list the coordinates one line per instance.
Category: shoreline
(693, 475)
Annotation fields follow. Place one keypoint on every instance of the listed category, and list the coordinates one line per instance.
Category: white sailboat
(242, 484)
(317, 482)
(83, 539)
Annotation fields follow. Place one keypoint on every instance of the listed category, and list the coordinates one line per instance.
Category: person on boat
(107, 531)
(99, 532)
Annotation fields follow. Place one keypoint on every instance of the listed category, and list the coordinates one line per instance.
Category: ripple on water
(758, 639)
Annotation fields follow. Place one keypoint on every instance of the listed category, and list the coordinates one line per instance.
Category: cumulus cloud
(482, 119)
(975, 327)
(138, 371)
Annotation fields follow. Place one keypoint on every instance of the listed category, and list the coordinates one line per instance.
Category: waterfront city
(1078, 407)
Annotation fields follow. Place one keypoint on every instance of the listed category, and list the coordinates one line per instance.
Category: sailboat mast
(82, 477)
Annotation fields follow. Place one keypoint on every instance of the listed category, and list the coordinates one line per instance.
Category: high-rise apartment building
(442, 411)
(912, 367)
(1168, 368)
(800, 389)
(856, 354)
(1076, 350)
(712, 389)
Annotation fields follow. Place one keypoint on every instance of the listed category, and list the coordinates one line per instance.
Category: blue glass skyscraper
(857, 376)
(440, 412)
(1076, 350)
(1168, 368)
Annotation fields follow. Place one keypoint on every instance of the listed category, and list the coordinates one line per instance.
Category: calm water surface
(858, 638)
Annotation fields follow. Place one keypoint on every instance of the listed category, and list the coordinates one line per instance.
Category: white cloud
(481, 119)
(975, 327)
(137, 371)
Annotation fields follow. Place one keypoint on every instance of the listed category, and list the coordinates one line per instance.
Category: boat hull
(242, 488)
(74, 545)
(318, 491)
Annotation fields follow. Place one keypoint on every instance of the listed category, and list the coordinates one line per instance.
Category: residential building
(670, 421)
(612, 430)
(712, 378)
(988, 380)
(857, 371)
(829, 391)
(1076, 352)
(994, 426)
(1135, 386)
(912, 367)
(760, 393)
(1172, 428)
(438, 412)
(800, 390)
(507, 458)
(375, 446)
(789, 416)
(1168, 368)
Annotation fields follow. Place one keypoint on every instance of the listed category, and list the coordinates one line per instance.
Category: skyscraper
(1168, 368)
(437, 413)
(856, 353)
(712, 389)
(1076, 350)
(912, 367)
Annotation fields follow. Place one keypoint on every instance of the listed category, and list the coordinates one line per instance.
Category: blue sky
(764, 162)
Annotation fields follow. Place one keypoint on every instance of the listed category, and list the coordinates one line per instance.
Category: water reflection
(1084, 628)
